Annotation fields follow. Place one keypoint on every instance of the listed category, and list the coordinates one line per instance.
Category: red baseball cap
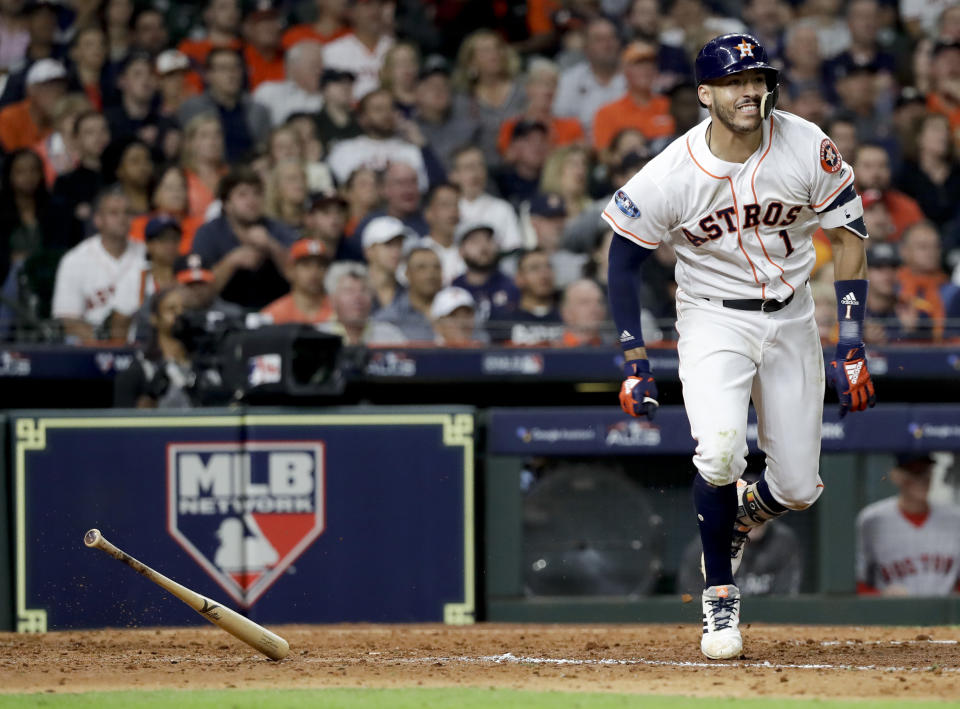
(305, 248)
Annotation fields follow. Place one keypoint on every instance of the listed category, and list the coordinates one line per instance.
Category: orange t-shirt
(653, 119)
(260, 69)
(197, 51)
(540, 15)
(188, 225)
(199, 196)
(562, 131)
(922, 291)
(285, 310)
(299, 33)
(17, 129)
(904, 211)
(937, 104)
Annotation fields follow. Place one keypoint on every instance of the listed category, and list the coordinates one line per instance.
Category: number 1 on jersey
(786, 241)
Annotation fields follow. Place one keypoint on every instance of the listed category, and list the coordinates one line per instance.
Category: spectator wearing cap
(583, 310)
(454, 317)
(490, 287)
(328, 24)
(74, 191)
(545, 219)
(221, 19)
(380, 143)
(863, 23)
(307, 301)
(931, 175)
(645, 22)
(908, 545)
(639, 107)
(534, 319)
(585, 87)
(171, 67)
(487, 87)
(299, 91)
(351, 297)
(88, 56)
(518, 179)
(162, 236)
(872, 172)
(920, 279)
(410, 311)
(245, 123)
(882, 321)
(262, 51)
(85, 296)
(150, 33)
(137, 115)
(541, 88)
(29, 121)
(442, 214)
(469, 173)
(362, 51)
(325, 221)
(335, 120)
(444, 130)
(249, 250)
(383, 249)
(195, 274)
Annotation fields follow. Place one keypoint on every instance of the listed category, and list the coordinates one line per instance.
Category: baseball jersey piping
(756, 229)
(627, 231)
(736, 210)
(832, 194)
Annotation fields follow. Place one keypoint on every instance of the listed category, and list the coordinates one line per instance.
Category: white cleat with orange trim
(721, 638)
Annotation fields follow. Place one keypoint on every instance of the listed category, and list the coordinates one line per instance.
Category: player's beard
(736, 122)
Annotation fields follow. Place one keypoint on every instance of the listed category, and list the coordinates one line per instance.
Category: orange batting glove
(849, 376)
(638, 393)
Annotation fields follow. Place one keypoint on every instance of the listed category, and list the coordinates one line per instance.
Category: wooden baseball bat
(256, 636)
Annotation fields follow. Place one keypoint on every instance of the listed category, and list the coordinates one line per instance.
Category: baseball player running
(739, 197)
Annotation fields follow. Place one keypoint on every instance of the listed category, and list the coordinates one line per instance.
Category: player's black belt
(768, 305)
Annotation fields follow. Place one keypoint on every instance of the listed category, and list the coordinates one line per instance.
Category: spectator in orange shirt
(921, 279)
(307, 300)
(29, 121)
(944, 96)
(169, 199)
(541, 88)
(328, 25)
(203, 161)
(583, 310)
(262, 51)
(88, 52)
(222, 18)
(871, 166)
(59, 150)
(639, 107)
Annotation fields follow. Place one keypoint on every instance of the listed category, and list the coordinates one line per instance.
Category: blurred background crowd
(429, 171)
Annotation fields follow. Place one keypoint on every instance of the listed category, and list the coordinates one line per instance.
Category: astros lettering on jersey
(740, 230)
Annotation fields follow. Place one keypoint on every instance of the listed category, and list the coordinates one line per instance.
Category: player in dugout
(739, 197)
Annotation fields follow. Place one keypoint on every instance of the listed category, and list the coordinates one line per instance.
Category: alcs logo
(245, 512)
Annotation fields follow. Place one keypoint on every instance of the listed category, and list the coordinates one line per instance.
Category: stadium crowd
(430, 171)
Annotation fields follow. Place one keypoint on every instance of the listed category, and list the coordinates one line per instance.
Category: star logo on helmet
(746, 49)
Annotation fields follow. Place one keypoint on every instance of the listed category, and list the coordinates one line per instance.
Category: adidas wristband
(623, 287)
(851, 305)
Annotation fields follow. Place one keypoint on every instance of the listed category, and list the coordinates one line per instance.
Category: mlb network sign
(245, 512)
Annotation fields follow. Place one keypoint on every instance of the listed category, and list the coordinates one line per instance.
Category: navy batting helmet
(732, 53)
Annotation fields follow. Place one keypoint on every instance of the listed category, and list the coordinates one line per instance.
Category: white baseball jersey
(87, 280)
(895, 551)
(740, 230)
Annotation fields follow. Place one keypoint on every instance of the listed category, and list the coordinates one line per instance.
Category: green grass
(470, 698)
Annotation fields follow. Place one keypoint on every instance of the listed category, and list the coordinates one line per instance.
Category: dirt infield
(778, 661)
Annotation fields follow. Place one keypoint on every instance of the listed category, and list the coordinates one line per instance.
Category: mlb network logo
(245, 512)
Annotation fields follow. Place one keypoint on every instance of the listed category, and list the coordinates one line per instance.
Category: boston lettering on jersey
(713, 226)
